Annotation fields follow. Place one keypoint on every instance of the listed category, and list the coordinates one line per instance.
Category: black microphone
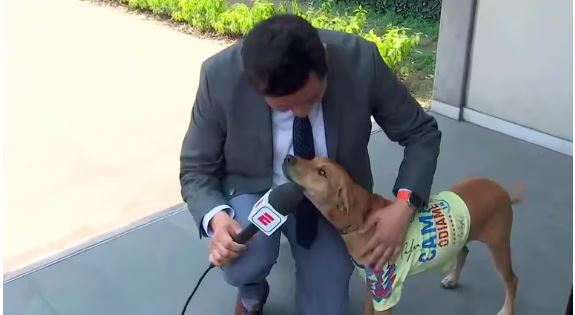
(283, 199)
(270, 210)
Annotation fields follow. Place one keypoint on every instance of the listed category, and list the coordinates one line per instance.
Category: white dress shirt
(282, 128)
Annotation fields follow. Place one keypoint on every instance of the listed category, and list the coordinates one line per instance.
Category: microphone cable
(196, 288)
(285, 197)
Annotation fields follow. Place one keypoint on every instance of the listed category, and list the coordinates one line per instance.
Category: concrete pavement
(96, 104)
(152, 270)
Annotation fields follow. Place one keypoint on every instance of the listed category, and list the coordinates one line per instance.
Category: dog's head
(330, 188)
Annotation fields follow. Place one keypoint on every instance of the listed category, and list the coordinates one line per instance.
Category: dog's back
(440, 231)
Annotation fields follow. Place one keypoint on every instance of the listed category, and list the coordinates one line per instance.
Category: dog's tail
(518, 193)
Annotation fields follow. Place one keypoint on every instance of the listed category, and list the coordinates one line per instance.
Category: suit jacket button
(232, 191)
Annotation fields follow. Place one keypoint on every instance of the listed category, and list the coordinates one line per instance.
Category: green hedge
(428, 9)
(394, 45)
(239, 18)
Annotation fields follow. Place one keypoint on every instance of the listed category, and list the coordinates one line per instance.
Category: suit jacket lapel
(262, 118)
(261, 121)
(331, 111)
(266, 135)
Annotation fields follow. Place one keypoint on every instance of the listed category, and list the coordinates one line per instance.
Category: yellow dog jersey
(436, 234)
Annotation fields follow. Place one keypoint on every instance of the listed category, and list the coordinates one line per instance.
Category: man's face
(301, 101)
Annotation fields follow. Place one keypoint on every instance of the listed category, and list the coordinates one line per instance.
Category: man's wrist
(411, 199)
(207, 218)
(219, 219)
(407, 208)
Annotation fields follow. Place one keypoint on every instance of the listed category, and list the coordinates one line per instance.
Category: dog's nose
(290, 159)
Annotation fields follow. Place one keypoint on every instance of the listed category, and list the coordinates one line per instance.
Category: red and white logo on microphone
(265, 217)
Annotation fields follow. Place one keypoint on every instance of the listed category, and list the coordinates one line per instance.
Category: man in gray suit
(289, 88)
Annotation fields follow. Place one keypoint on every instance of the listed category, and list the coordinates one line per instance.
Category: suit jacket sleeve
(404, 121)
(201, 158)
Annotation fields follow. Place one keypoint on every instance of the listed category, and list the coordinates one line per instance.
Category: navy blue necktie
(306, 215)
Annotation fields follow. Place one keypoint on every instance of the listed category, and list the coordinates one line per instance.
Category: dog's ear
(343, 199)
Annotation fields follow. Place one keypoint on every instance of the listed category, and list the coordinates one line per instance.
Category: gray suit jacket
(227, 149)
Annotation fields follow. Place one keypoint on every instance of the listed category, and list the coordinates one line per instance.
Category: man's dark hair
(280, 53)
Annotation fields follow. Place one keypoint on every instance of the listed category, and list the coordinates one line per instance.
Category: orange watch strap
(403, 195)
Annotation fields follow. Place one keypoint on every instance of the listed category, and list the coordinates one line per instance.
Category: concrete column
(453, 52)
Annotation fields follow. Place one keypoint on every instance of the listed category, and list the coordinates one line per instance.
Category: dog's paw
(449, 282)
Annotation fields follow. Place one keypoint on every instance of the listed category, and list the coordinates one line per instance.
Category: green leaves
(394, 45)
(424, 9)
(163, 7)
(240, 18)
(326, 18)
(199, 13)
(138, 4)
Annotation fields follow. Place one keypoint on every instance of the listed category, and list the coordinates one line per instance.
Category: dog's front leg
(368, 306)
(368, 303)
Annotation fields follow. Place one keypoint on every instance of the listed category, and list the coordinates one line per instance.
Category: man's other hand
(388, 227)
(223, 249)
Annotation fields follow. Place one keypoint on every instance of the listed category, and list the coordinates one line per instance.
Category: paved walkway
(151, 270)
(97, 102)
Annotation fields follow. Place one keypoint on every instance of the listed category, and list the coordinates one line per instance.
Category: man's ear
(343, 200)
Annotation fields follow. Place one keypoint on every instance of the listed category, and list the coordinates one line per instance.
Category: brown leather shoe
(241, 310)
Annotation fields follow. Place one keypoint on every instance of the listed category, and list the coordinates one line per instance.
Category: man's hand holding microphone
(223, 248)
(268, 215)
(229, 238)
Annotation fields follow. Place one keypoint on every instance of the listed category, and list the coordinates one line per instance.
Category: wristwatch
(413, 199)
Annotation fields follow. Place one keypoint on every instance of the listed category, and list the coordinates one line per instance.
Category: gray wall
(521, 64)
(452, 46)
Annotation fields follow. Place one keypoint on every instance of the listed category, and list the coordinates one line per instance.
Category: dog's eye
(321, 172)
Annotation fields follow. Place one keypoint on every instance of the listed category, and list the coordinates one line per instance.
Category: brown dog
(484, 213)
